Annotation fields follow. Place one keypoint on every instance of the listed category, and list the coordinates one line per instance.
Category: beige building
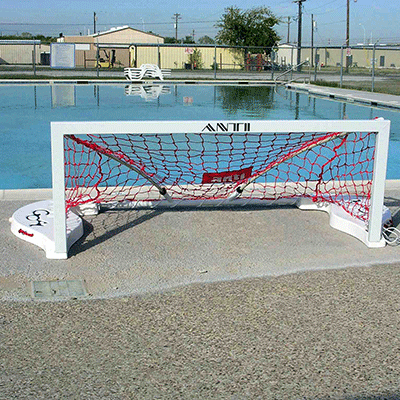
(359, 56)
(189, 56)
(113, 44)
(22, 51)
(126, 46)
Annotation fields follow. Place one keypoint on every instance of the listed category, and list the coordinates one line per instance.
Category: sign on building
(62, 55)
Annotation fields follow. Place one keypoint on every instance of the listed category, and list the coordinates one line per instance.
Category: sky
(371, 21)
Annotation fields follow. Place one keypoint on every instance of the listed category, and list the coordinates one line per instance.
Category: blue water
(26, 112)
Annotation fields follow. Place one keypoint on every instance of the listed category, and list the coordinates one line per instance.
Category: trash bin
(45, 58)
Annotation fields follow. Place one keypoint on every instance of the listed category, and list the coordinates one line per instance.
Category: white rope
(391, 235)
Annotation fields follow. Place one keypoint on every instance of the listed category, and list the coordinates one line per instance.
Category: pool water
(27, 110)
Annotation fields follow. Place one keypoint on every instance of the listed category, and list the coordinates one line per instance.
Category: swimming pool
(27, 110)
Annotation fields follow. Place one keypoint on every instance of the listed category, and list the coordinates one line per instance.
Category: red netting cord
(270, 166)
(295, 152)
(108, 152)
(318, 193)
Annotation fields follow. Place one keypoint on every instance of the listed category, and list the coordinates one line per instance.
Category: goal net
(337, 166)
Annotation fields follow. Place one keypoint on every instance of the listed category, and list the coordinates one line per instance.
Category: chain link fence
(368, 67)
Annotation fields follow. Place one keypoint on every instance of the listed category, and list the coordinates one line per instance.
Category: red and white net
(325, 167)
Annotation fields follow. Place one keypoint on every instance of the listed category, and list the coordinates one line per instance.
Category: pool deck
(128, 253)
(348, 95)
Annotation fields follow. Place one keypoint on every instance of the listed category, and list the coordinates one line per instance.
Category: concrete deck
(348, 95)
(124, 253)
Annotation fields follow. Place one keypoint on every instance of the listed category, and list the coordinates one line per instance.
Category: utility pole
(176, 17)
(348, 37)
(312, 39)
(193, 36)
(348, 24)
(94, 22)
(300, 3)
(288, 30)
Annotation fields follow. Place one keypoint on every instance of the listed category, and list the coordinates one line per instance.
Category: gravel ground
(330, 334)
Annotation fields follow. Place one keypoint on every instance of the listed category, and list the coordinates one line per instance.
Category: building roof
(121, 28)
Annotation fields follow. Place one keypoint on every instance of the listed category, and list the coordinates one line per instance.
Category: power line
(102, 24)
(324, 5)
(324, 12)
(331, 23)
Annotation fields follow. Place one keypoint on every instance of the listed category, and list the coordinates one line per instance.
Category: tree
(250, 28)
(206, 40)
(188, 40)
(23, 36)
(195, 59)
(185, 40)
(169, 39)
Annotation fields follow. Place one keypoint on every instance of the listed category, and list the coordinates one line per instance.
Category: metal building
(113, 46)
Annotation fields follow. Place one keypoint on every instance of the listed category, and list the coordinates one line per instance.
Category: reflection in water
(254, 100)
(63, 96)
(297, 107)
(237, 100)
(96, 94)
(187, 100)
(35, 96)
(147, 92)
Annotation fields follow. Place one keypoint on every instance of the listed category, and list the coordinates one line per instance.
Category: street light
(362, 26)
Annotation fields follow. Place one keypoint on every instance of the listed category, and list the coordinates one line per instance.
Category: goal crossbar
(237, 178)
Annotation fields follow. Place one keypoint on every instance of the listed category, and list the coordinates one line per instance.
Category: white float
(344, 222)
(34, 223)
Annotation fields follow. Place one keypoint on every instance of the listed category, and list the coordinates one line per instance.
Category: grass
(357, 71)
(389, 86)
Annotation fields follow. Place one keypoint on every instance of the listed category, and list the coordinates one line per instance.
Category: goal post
(378, 182)
(337, 166)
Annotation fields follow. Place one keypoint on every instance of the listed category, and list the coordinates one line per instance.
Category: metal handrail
(290, 70)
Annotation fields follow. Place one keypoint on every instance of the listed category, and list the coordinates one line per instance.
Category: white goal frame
(59, 129)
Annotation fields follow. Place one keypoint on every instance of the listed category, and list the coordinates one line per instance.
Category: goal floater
(337, 166)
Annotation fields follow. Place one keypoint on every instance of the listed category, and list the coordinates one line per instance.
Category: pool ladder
(288, 71)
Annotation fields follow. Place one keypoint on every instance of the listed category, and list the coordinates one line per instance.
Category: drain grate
(58, 289)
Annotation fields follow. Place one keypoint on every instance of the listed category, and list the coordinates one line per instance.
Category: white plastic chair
(146, 71)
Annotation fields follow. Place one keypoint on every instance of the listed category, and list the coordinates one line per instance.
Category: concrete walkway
(348, 95)
(235, 76)
(125, 253)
